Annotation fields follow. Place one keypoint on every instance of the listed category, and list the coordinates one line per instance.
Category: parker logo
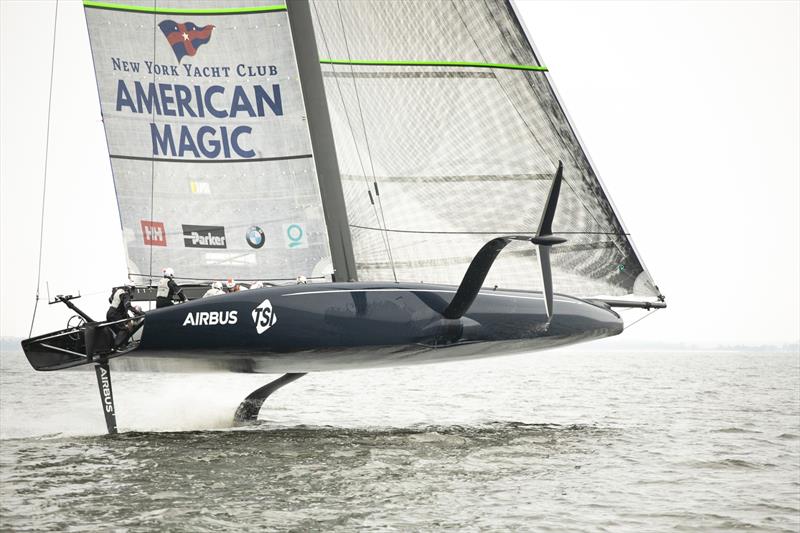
(264, 316)
(211, 318)
(153, 233)
(185, 38)
(203, 236)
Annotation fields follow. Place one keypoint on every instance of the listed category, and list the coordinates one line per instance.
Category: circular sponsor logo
(295, 234)
(255, 237)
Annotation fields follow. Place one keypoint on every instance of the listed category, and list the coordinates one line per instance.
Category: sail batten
(402, 63)
(183, 11)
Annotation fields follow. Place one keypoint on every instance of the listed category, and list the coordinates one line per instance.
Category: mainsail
(208, 140)
(448, 133)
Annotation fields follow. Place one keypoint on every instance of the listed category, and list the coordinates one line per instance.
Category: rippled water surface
(551, 441)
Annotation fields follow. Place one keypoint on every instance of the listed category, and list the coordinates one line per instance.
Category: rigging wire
(46, 160)
(366, 138)
(649, 313)
(152, 160)
(384, 237)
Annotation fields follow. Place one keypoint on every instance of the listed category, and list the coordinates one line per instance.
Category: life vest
(163, 288)
(116, 297)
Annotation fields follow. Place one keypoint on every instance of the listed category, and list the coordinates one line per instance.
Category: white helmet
(217, 285)
(256, 285)
(301, 280)
(230, 283)
(168, 272)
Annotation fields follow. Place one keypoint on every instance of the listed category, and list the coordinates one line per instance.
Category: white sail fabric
(208, 140)
(437, 159)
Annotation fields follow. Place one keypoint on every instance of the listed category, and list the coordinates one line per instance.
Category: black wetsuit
(167, 291)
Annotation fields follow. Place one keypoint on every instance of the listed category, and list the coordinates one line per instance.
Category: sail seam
(486, 232)
(462, 64)
(188, 11)
(178, 160)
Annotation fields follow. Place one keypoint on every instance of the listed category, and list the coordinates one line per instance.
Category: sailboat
(410, 161)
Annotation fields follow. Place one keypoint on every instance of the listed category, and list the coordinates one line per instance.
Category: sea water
(551, 441)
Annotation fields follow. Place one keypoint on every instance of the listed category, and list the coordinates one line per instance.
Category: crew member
(168, 289)
(121, 307)
(232, 286)
(216, 288)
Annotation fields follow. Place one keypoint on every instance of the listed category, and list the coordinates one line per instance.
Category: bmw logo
(255, 237)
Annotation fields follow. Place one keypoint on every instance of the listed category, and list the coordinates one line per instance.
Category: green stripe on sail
(469, 64)
(184, 11)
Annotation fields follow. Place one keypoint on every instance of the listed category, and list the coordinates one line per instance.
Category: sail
(448, 133)
(208, 139)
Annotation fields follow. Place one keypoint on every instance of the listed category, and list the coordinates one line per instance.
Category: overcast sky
(690, 111)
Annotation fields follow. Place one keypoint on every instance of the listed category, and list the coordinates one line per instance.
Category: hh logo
(153, 233)
(185, 38)
(264, 316)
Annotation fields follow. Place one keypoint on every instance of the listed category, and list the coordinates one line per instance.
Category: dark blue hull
(306, 328)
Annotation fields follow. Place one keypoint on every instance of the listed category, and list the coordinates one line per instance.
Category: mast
(319, 125)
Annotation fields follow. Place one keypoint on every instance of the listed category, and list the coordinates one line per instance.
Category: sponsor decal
(185, 38)
(264, 316)
(153, 233)
(295, 235)
(205, 111)
(203, 236)
(200, 187)
(255, 237)
(108, 403)
(211, 318)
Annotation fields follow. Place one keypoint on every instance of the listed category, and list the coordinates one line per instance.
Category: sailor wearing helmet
(232, 286)
(168, 289)
(121, 305)
(216, 288)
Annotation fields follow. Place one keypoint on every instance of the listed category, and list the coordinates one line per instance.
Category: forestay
(448, 134)
(209, 145)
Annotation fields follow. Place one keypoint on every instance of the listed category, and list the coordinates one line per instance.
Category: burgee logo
(185, 38)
